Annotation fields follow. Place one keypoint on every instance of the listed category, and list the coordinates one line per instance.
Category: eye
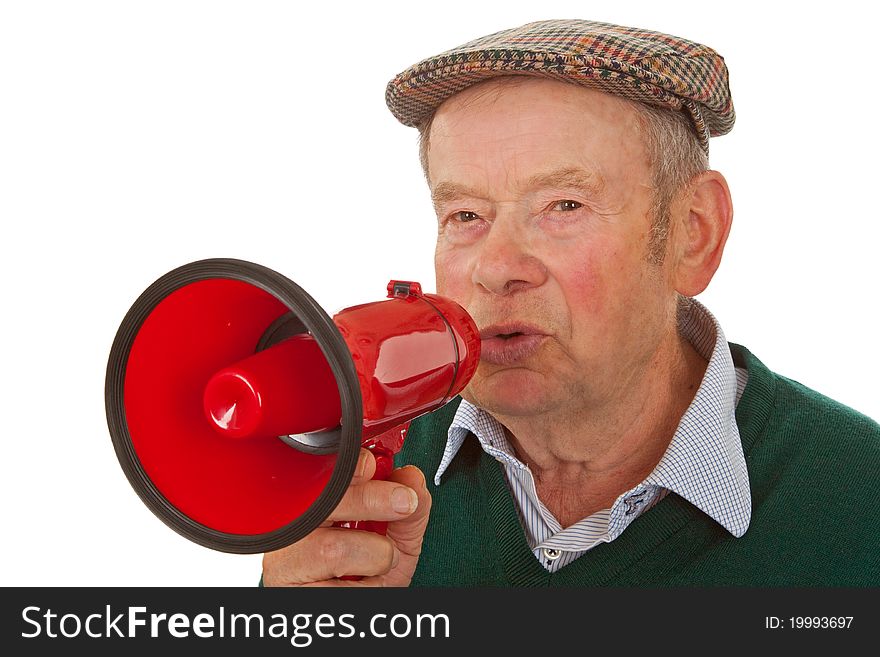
(465, 216)
(567, 205)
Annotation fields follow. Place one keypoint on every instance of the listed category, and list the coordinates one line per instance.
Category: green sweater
(813, 471)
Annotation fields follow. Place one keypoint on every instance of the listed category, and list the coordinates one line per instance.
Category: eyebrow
(591, 182)
(449, 191)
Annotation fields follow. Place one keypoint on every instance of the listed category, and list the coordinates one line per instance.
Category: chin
(510, 391)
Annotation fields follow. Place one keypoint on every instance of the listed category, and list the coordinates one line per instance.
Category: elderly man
(611, 435)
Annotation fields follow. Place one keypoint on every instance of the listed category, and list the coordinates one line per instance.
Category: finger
(408, 532)
(365, 467)
(329, 553)
(376, 500)
(363, 582)
(364, 470)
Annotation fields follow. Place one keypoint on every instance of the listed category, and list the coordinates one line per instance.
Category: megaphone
(237, 407)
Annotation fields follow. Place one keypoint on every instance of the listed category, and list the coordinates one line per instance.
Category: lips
(508, 344)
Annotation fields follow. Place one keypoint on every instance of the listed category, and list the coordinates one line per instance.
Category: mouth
(509, 344)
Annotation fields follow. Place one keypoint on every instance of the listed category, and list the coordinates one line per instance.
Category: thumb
(407, 533)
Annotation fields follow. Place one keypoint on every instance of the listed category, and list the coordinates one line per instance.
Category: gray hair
(676, 157)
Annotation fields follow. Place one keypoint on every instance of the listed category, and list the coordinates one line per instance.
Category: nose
(505, 263)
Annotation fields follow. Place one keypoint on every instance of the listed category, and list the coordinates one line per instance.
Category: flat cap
(641, 65)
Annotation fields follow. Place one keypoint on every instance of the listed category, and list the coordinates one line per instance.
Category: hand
(331, 552)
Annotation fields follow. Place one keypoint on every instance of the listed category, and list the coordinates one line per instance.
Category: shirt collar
(704, 462)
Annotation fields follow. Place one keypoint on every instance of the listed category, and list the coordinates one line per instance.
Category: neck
(582, 459)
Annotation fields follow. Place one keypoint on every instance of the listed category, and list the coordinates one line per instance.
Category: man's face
(543, 197)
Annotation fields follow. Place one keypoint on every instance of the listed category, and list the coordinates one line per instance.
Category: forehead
(523, 125)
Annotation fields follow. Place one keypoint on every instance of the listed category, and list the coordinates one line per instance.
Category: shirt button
(633, 501)
(551, 554)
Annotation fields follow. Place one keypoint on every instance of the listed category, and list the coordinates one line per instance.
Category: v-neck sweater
(813, 469)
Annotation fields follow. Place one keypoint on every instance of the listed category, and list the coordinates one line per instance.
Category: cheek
(452, 271)
(602, 286)
(584, 282)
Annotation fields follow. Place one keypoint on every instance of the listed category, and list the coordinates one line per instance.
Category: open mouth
(503, 346)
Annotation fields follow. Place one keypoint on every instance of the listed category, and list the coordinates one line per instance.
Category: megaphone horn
(237, 406)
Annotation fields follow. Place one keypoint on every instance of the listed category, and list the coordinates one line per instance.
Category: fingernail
(361, 465)
(404, 500)
(395, 558)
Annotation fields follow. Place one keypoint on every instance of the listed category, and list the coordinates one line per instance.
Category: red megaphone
(237, 406)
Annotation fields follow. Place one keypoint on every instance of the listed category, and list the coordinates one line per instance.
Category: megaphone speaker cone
(234, 495)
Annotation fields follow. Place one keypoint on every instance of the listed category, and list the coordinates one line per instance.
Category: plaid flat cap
(641, 65)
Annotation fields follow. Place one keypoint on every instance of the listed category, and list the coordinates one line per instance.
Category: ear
(706, 212)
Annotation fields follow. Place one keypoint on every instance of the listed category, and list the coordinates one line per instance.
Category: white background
(138, 136)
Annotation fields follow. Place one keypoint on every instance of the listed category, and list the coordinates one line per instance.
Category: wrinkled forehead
(530, 120)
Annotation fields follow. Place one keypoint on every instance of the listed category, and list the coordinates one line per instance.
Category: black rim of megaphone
(338, 357)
